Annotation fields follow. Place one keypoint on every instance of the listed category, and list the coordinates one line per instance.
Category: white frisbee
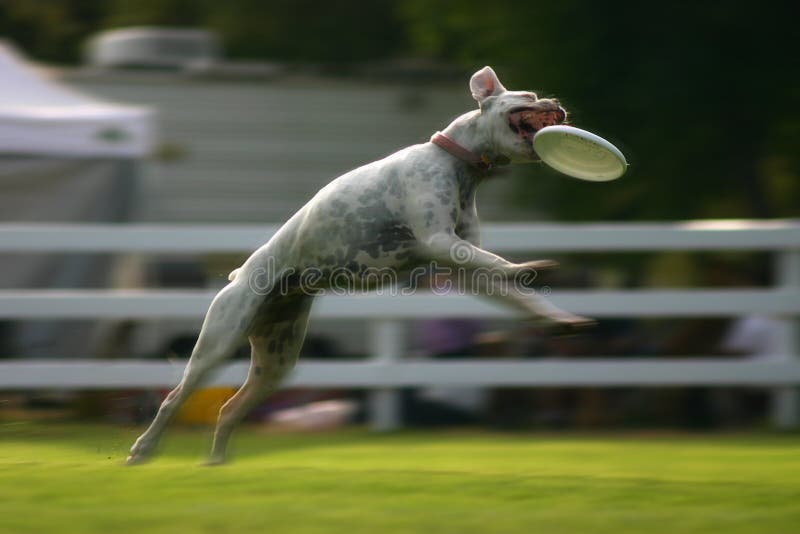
(579, 153)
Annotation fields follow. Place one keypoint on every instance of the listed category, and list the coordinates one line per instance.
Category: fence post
(386, 344)
(786, 399)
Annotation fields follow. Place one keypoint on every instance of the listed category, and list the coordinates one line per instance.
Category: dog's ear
(484, 84)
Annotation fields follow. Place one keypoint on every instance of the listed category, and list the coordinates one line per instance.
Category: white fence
(386, 370)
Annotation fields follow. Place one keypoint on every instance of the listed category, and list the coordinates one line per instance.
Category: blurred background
(176, 113)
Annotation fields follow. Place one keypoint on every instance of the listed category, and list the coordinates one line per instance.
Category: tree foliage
(288, 30)
(702, 96)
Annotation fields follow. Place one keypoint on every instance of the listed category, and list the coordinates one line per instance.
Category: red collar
(481, 162)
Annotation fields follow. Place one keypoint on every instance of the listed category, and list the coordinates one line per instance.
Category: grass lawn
(69, 478)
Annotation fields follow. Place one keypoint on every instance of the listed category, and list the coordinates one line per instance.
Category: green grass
(66, 478)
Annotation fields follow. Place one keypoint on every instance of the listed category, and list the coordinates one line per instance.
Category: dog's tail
(233, 274)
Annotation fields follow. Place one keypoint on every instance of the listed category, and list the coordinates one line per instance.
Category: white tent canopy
(64, 157)
(41, 116)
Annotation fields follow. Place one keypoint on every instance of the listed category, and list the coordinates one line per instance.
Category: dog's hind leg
(226, 325)
(277, 336)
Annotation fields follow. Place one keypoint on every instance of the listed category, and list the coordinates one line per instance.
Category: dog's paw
(213, 461)
(570, 326)
(534, 265)
(136, 459)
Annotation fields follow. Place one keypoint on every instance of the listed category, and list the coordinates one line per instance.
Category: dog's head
(511, 118)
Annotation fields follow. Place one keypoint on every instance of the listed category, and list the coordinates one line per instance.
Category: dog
(413, 207)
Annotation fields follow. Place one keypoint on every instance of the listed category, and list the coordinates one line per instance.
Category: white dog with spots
(412, 208)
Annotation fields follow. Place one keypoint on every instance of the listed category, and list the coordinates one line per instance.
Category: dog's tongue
(540, 119)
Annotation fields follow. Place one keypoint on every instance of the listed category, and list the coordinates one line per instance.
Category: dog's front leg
(481, 272)
(485, 274)
(449, 250)
(530, 302)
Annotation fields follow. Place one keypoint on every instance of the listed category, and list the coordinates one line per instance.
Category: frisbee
(579, 153)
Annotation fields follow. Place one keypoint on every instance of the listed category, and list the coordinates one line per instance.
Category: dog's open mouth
(526, 121)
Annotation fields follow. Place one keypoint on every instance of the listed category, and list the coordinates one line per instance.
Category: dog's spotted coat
(408, 209)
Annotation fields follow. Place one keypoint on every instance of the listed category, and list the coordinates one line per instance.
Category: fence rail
(153, 238)
(96, 304)
(547, 372)
(385, 371)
